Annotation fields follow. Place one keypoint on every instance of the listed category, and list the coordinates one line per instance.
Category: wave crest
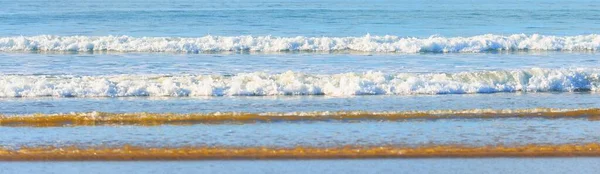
(294, 83)
(368, 43)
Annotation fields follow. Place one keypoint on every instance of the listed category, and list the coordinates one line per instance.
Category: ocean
(299, 86)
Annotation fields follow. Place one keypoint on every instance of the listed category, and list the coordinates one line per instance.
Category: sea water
(286, 56)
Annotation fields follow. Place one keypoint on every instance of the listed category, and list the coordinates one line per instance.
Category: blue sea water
(331, 18)
(285, 56)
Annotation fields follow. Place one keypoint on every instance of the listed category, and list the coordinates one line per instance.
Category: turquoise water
(291, 18)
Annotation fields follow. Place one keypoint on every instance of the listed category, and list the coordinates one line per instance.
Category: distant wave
(293, 83)
(368, 43)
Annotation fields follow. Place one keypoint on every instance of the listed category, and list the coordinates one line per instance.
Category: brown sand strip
(126, 153)
(153, 119)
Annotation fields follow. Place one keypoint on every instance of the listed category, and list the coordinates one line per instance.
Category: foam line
(128, 153)
(367, 43)
(154, 119)
(296, 83)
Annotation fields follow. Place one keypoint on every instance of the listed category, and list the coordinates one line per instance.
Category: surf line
(155, 119)
(128, 153)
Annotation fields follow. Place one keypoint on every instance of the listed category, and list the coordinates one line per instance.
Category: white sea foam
(293, 83)
(366, 43)
(95, 115)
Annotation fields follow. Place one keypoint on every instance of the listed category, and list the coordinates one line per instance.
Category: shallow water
(314, 63)
(260, 104)
(413, 133)
(479, 165)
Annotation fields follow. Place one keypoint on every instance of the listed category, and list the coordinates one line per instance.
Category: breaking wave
(294, 83)
(368, 43)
